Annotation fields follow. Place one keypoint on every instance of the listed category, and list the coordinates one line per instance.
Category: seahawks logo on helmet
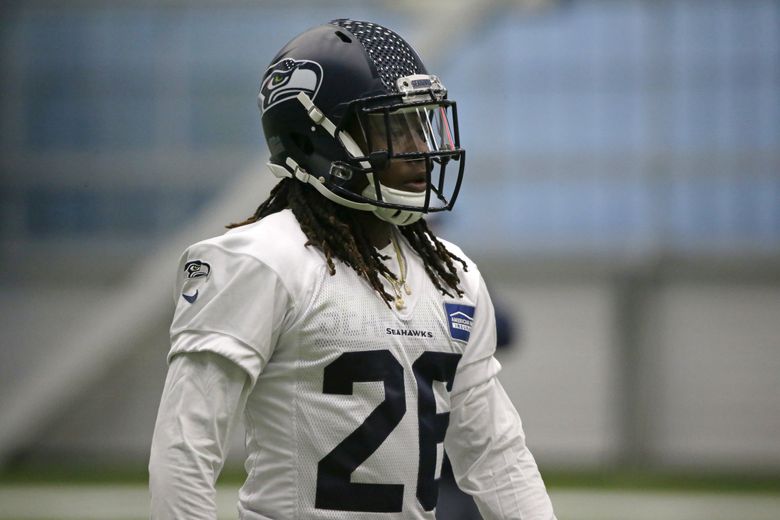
(286, 78)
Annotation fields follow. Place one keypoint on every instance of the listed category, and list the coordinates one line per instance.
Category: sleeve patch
(196, 272)
(197, 269)
(460, 318)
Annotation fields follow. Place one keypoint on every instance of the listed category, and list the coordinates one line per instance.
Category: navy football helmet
(341, 101)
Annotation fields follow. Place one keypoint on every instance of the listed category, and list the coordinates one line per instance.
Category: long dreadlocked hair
(334, 230)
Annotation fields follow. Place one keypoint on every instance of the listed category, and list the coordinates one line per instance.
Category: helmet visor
(409, 130)
(404, 152)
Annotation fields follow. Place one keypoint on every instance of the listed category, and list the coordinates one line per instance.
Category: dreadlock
(334, 230)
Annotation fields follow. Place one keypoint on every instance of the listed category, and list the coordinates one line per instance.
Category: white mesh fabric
(292, 424)
(331, 418)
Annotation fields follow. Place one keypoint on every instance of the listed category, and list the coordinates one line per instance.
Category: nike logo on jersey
(191, 297)
(461, 318)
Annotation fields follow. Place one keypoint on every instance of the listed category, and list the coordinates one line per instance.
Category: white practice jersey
(349, 406)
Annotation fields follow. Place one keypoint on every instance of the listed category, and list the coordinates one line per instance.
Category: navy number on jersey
(334, 489)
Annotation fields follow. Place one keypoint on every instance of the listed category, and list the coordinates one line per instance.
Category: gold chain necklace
(399, 285)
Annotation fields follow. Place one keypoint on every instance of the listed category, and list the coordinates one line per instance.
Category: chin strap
(316, 115)
(293, 169)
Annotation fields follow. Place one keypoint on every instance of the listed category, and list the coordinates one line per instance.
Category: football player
(355, 344)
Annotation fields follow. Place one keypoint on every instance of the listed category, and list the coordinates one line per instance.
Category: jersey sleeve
(490, 458)
(203, 398)
(229, 303)
(478, 364)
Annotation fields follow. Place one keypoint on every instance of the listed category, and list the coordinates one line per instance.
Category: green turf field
(122, 495)
(79, 493)
(90, 501)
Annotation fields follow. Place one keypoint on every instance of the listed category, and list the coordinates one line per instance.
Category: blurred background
(622, 198)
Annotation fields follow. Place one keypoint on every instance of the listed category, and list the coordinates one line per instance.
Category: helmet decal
(288, 77)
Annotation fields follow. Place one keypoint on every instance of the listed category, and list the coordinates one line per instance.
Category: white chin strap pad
(398, 217)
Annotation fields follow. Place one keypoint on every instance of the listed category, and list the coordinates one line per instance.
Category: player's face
(407, 175)
(410, 130)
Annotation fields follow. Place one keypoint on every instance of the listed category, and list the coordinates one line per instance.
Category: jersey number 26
(334, 489)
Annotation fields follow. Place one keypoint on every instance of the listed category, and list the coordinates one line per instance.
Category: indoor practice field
(621, 197)
(130, 502)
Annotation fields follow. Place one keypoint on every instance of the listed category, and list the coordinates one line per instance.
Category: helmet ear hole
(303, 143)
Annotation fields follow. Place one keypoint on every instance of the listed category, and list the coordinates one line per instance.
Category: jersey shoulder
(470, 276)
(276, 242)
